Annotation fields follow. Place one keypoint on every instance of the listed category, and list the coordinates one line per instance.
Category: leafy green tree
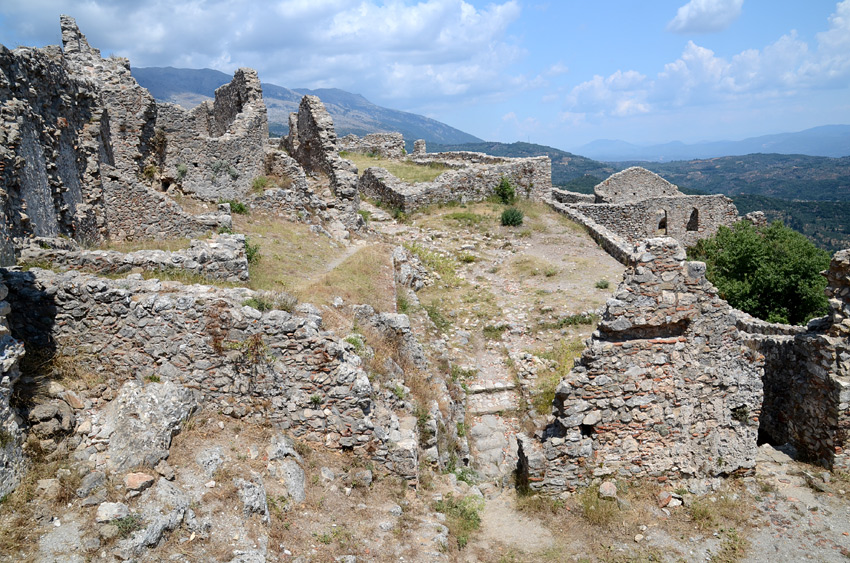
(770, 272)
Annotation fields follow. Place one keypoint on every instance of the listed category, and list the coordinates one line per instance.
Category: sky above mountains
(560, 73)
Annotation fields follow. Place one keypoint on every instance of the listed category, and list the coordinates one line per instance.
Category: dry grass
(364, 277)
(401, 169)
(290, 254)
(526, 266)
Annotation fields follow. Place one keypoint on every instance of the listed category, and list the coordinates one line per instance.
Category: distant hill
(569, 171)
(827, 140)
(352, 113)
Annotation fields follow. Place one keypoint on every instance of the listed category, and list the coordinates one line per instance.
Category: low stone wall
(564, 196)
(618, 247)
(273, 365)
(11, 457)
(384, 145)
(665, 389)
(223, 258)
(532, 178)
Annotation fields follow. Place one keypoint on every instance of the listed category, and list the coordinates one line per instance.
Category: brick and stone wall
(222, 257)
(666, 388)
(474, 178)
(384, 145)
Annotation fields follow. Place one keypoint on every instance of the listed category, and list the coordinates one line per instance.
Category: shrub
(182, 170)
(602, 284)
(771, 272)
(505, 191)
(236, 206)
(463, 516)
(259, 184)
(252, 252)
(150, 172)
(512, 217)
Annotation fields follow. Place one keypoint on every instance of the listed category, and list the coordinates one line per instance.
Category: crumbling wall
(665, 389)
(217, 149)
(11, 350)
(222, 258)
(312, 142)
(78, 132)
(807, 378)
(532, 178)
(384, 145)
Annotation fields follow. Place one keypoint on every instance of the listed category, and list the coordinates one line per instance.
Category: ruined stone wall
(11, 350)
(685, 218)
(618, 247)
(384, 145)
(633, 185)
(77, 133)
(532, 178)
(807, 378)
(565, 196)
(666, 388)
(217, 149)
(222, 258)
(312, 142)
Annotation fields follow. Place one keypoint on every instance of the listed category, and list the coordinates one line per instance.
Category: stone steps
(492, 402)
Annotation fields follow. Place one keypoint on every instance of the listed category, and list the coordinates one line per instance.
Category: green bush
(602, 284)
(505, 191)
(182, 170)
(252, 252)
(770, 272)
(236, 206)
(512, 217)
(259, 184)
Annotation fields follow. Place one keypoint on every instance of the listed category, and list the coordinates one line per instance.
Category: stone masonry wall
(11, 350)
(216, 149)
(666, 388)
(532, 178)
(276, 365)
(223, 258)
(633, 185)
(384, 145)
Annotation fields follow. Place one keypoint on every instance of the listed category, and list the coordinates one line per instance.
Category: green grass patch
(402, 169)
(463, 516)
(236, 206)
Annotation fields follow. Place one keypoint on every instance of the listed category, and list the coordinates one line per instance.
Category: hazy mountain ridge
(352, 113)
(827, 140)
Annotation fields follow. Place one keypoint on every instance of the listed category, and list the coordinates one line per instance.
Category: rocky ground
(509, 308)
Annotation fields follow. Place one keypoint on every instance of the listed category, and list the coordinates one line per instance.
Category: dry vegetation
(401, 169)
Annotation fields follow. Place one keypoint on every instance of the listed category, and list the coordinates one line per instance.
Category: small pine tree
(505, 191)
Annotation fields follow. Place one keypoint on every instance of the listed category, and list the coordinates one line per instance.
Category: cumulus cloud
(705, 16)
(398, 49)
(699, 76)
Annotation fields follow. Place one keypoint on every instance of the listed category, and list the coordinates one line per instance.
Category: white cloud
(705, 16)
(407, 49)
(781, 69)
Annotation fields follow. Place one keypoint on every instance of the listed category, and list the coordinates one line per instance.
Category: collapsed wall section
(384, 145)
(665, 389)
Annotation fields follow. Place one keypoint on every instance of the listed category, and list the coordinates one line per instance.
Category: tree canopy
(771, 272)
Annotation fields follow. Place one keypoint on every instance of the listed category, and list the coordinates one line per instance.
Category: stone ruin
(384, 145)
(469, 177)
(636, 204)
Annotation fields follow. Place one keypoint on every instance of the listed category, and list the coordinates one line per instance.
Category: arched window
(693, 222)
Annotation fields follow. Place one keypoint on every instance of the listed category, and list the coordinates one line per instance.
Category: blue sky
(556, 73)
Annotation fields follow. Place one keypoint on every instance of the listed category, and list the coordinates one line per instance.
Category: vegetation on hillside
(770, 272)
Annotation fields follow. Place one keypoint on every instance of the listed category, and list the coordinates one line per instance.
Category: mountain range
(352, 113)
(827, 140)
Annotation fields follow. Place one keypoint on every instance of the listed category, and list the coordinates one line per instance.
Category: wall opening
(661, 222)
(693, 222)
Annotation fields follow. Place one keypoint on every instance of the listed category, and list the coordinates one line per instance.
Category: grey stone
(109, 511)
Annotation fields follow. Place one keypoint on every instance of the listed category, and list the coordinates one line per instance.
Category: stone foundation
(384, 145)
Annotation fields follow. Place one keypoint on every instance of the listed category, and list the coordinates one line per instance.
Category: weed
(439, 263)
(461, 429)
(506, 193)
(128, 525)
(398, 391)
(259, 184)
(598, 511)
(315, 400)
(511, 217)
(440, 321)
(733, 548)
(571, 320)
(252, 252)
(150, 172)
(563, 354)
(465, 218)
(539, 505)
(268, 301)
(6, 438)
(463, 516)
(494, 332)
(602, 284)
(224, 231)
(365, 214)
(550, 271)
(182, 170)
(236, 206)
(466, 258)
(401, 303)
(356, 340)
(458, 373)
(152, 378)
(741, 414)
